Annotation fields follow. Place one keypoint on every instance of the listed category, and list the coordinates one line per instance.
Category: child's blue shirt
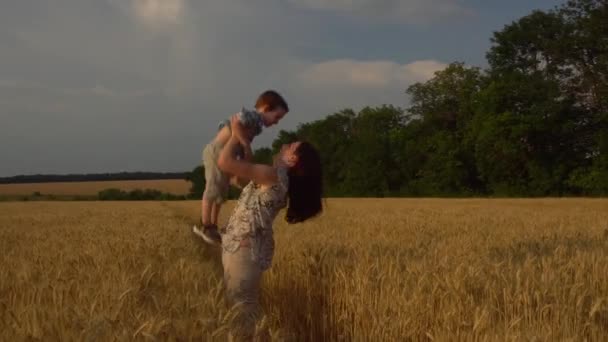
(250, 119)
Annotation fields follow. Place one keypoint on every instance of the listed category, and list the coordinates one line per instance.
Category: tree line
(92, 177)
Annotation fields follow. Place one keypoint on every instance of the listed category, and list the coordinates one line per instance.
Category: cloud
(158, 10)
(415, 11)
(329, 86)
(420, 71)
(152, 79)
(97, 90)
(367, 74)
(156, 13)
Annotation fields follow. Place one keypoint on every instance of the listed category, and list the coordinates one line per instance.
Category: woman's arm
(248, 153)
(259, 173)
(238, 182)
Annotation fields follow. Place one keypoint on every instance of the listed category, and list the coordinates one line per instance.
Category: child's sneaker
(209, 234)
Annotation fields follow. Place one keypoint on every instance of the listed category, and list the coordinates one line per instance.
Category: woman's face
(288, 155)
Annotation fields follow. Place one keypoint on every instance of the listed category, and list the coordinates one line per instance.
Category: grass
(368, 269)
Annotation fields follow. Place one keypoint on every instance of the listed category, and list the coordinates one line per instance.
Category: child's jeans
(216, 181)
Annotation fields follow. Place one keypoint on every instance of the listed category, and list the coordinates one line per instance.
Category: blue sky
(140, 85)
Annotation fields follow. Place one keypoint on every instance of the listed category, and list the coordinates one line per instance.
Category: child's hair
(305, 185)
(272, 100)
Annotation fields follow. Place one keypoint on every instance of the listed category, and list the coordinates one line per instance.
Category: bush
(113, 194)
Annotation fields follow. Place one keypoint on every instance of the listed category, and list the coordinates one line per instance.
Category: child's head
(272, 106)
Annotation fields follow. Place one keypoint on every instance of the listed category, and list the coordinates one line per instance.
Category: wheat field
(173, 186)
(366, 270)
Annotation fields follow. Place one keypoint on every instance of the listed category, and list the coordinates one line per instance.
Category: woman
(293, 181)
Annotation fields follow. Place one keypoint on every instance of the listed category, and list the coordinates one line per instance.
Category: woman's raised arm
(227, 162)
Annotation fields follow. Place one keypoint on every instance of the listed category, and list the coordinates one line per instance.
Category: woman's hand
(238, 131)
(244, 169)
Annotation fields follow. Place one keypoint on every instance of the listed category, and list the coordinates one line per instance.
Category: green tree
(370, 169)
(197, 179)
(263, 156)
(548, 75)
(332, 136)
(586, 54)
(284, 137)
(439, 120)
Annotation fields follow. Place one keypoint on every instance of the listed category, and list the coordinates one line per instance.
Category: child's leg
(209, 230)
(213, 176)
(215, 213)
(214, 184)
(206, 211)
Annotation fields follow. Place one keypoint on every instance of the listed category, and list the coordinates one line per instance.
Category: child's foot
(209, 234)
(197, 231)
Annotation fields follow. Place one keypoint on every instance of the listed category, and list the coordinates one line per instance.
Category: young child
(270, 108)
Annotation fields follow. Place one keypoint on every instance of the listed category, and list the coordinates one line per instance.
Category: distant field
(366, 270)
(174, 186)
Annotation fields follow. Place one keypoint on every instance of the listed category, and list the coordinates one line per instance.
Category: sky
(90, 86)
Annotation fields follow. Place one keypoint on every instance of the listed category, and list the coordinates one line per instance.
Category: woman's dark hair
(305, 185)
